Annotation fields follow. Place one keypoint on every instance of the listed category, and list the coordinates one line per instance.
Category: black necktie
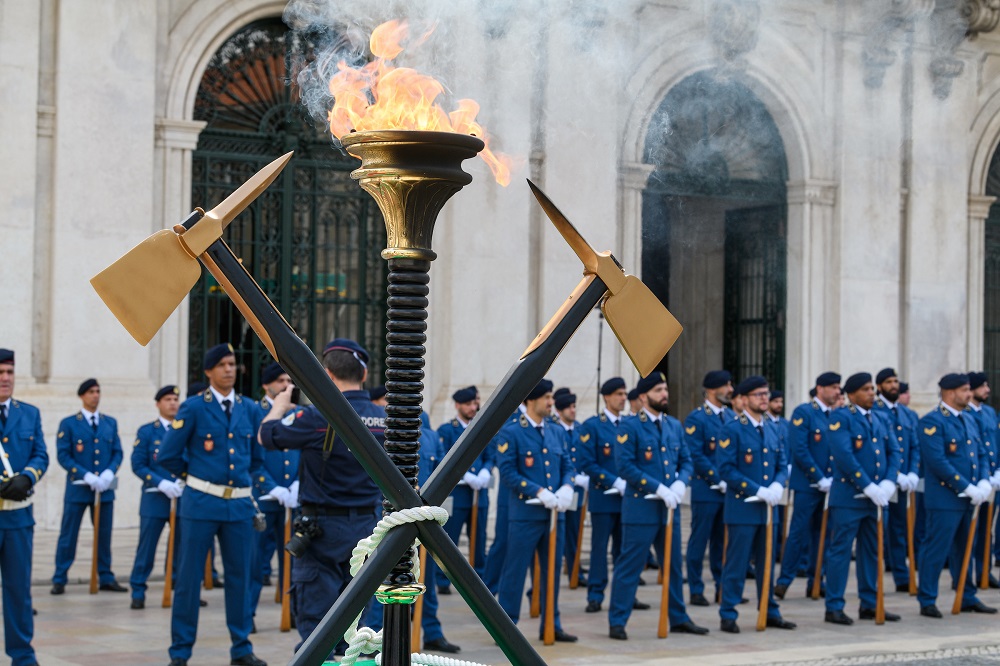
(869, 417)
(3, 414)
(227, 406)
(540, 431)
(659, 428)
(722, 416)
(93, 423)
(760, 430)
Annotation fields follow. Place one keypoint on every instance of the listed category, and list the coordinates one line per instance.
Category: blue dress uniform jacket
(599, 438)
(205, 444)
(80, 450)
(749, 459)
(808, 447)
(462, 495)
(529, 461)
(986, 419)
(498, 549)
(702, 432)
(146, 466)
(650, 456)
(863, 453)
(951, 458)
(901, 430)
(25, 447)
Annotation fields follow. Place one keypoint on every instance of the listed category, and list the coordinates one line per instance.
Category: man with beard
(702, 431)
(900, 430)
(812, 476)
(654, 461)
(956, 482)
(986, 419)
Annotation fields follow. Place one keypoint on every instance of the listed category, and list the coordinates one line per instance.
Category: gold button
(545, 450)
(765, 463)
(601, 476)
(97, 450)
(548, 476)
(663, 448)
(765, 477)
(877, 451)
(230, 483)
(232, 467)
(232, 450)
(524, 483)
(643, 482)
(286, 476)
(230, 435)
(765, 450)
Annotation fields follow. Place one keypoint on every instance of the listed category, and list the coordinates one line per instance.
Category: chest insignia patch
(648, 454)
(585, 438)
(79, 447)
(797, 422)
(748, 458)
(711, 445)
(621, 438)
(503, 447)
(952, 447)
(835, 426)
(930, 431)
(857, 443)
(690, 430)
(209, 445)
(723, 443)
(529, 461)
(177, 424)
(607, 449)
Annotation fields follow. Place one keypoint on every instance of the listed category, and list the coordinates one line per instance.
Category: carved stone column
(632, 179)
(979, 210)
(887, 22)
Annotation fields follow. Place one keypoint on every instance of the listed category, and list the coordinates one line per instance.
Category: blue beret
(347, 345)
(828, 379)
(196, 388)
(169, 389)
(464, 395)
(953, 381)
(716, 379)
(270, 373)
(6, 355)
(87, 385)
(633, 394)
(856, 381)
(812, 392)
(777, 394)
(543, 387)
(612, 385)
(884, 374)
(377, 392)
(903, 388)
(977, 379)
(751, 383)
(216, 354)
(560, 391)
(564, 400)
(649, 381)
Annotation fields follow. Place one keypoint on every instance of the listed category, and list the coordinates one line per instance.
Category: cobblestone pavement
(101, 630)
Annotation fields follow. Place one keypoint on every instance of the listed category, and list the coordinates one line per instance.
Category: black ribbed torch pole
(410, 174)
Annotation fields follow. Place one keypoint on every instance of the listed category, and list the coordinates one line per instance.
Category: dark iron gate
(312, 240)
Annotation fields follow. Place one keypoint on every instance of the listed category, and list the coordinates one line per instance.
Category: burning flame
(381, 96)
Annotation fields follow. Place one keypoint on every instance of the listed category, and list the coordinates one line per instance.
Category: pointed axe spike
(579, 244)
(245, 194)
(147, 284)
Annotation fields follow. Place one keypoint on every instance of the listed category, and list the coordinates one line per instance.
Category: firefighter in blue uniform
(810, 481)
(22, 448)
(430, 457)
(158, 487)
(338, 500)
(956, 482)
(565, 406)
(279, 481)
(534, 463)
(653, 460)
(866, 461)
(902, 433)
(753, 465)
(599, 436)
(702, 430)
(476, 480)
(89, 449)
(213, 442)
(986, 419)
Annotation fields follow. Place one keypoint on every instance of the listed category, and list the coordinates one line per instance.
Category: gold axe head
(638, 319)
(149, 281)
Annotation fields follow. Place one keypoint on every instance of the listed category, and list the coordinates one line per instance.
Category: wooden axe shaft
(95, 513)
(765, 585)
(169, 573)
(956, 607)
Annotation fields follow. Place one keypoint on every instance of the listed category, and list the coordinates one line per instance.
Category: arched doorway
(714, 231)
(313, 239)
(991, 284)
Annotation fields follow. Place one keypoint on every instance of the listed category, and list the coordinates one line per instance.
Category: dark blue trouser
(265, 543)
(324, 570)
(572, 539)
(984, 523)
(707, 530)
(530, 536)
(461, 518)
(846, 525)
(944, 539)
(15, 571)
(69, 531)
(745, 541)
(145, 553)
(636, 540)
(498, 549)
(236, 543)
(803, 536)
(603, 527)
(429, 623)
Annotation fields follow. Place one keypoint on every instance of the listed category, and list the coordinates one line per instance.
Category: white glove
(93, 481)
(722, 487)
(764, 493)
(281, 494)
(293, 495)
(484, 478)
(677, 488)
(995, 479)
(565, 497)
(824, 484)
(876, 495)
(668, 496)
(914, 480)
(169, 488)
(548, 498)
(977, 496)
(620, 485)
(775, 491)
(903, 481)
(888, 487)
(471, 480)
(107, 478)
(581, 480)
(985, 487)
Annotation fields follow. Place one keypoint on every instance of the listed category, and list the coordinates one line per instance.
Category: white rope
(423, 659)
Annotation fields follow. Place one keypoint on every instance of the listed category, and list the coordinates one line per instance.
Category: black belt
(320, 510)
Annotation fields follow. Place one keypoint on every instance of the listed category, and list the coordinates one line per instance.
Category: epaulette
(603, 418)
(853, 409)
(744, 420)
(239, 398)
(944, 410)
(79, 417)
(814, 405)
(878, 401)
(642, 416)
(264, 404)
(707, 409)
(156, 424)
(523, 420)
(455, 423)
(207, 395)
(14, 403)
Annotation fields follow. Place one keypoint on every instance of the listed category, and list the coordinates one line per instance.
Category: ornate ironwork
(313, 239)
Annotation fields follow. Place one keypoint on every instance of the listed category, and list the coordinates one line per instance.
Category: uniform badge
(178, 424)
(711, 445)
(503, 447)
(858, 443)
(585, 438)
(690, 430)
(648, 454)
(529, 461)
(797, 422)
(834, 426)
(79, 447)
(607, 449)
(817, 436)
(289, 419)
(723, 443)
(209, 445)
(952, 447)
(748, 457)
(622, 438)
(930, 431)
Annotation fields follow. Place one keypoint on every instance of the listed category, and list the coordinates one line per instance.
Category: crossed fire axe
(146, 285)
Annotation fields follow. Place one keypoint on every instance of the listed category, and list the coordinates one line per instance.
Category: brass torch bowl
(411, 174)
